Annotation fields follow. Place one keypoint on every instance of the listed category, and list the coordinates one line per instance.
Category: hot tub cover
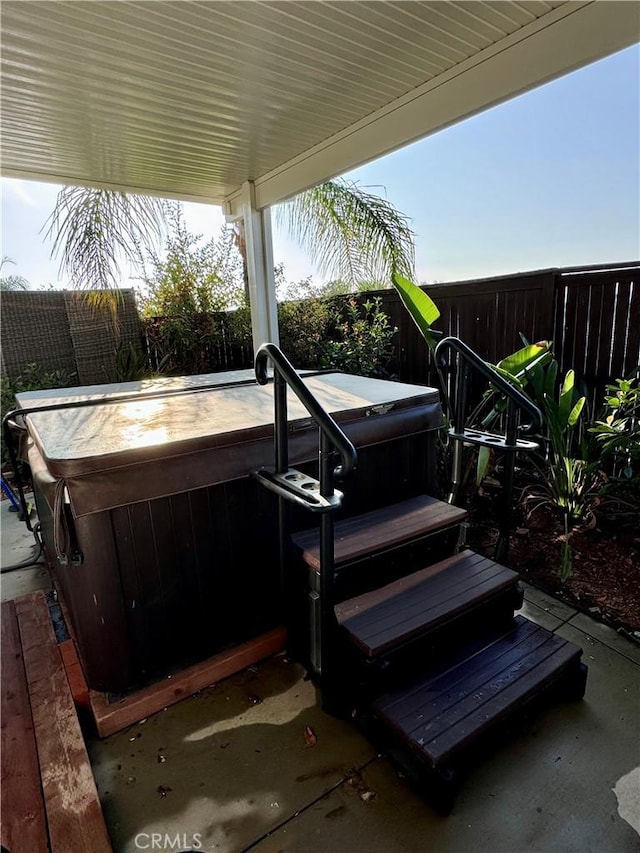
(111, 455)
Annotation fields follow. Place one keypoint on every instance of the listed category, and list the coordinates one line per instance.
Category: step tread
(414, 605)
(380, 529)
(461, 699)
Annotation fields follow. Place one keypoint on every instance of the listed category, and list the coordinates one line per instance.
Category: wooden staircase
(434, 662)
(423, 652)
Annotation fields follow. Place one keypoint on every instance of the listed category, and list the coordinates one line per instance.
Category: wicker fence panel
(97, 332)
(59, 330)
(35, 331)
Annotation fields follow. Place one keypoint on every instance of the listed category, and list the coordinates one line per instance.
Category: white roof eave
(36, 114)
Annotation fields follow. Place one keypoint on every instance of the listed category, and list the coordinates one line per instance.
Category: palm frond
(13, 282)
(93, 230)
(351, 234)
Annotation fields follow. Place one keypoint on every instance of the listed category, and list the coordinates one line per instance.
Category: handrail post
(281, 422)
(511, 436)
(327, 572)
(461, 395)
(281, 447)
(333, 443)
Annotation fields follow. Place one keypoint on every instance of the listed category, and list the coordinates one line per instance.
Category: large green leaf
(535, 376)
(550, 381)
(482, 465)
(575, 412)
(524, 358)
(422, 308)
(511, 378)
(566, 397)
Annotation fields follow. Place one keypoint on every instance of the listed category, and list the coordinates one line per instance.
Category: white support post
(262, 286)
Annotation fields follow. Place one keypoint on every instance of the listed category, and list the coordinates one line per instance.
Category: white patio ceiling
(192, 99)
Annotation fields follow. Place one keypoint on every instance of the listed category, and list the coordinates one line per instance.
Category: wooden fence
(592, 315)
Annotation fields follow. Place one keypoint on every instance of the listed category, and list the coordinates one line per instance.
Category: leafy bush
(32, 378)
(577, 478)
(617, 434)
(193, 277)
(184, 296)
(304, 328)
(361, 338)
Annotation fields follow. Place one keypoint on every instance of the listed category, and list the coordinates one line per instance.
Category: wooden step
(453, 705)
(373, 532)
(417, 604)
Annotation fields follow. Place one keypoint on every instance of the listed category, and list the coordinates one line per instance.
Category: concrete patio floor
(253, 764)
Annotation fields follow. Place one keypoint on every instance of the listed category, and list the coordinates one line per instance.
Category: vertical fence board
(564, 345)
(592, 346)
(633, 344)
(581, 328)
(620, 329)
(601, 335)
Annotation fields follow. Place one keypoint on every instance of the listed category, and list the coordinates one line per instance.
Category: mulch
(605, 580)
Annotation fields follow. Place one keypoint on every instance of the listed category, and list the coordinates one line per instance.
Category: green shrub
(361, 338)
(132, 364)
(32, 378)
(304, 327)
(617, 433)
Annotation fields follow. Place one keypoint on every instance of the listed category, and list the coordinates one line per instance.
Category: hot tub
(163, 547)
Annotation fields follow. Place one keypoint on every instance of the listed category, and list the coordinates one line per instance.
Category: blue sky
(551, 178)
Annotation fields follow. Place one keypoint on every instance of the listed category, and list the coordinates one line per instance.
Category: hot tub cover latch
(64, 538)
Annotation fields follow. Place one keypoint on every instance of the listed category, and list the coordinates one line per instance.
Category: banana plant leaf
(527, 357)
(550, 379)
(566, 397)
(575, 412)
(482, 464)
(420, 306)
(517, 369)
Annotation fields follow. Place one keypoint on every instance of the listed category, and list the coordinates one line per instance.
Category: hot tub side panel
(177, 570)
(198, 573)
(92, 596)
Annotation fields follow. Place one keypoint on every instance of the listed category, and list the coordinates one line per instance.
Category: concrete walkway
(253, 764)
(18, 545)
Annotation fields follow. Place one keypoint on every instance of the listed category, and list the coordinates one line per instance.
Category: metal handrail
(520, 399)
(326, 424)
(516, 400)
(332, 439)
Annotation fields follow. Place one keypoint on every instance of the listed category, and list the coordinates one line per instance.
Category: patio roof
(193, 99)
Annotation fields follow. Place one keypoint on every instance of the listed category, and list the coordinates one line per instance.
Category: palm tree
(352, 235)
(12, 282)
(93, 230)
